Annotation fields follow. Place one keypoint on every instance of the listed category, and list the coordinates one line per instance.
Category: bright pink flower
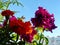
(43, 19)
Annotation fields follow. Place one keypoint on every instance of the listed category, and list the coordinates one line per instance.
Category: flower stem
(40, 38)
(24, 41)
(43, 41)
(17, 37)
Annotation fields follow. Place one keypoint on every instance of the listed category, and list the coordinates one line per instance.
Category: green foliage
(1, 18)
(5, 4)
(8, 37)
(40, 29)
(16, 2)
(36, 37)
(43, 40)
(15, 37)
(46, 40)
(40, 39)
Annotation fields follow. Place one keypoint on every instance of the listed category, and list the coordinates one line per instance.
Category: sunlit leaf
(39, 28)
(1, 5)
(36, 37)
(14, 36)
(1, 17)
(34, 43)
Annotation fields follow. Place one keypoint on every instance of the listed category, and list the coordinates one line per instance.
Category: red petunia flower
(29, 37)
(19, 26)
(7, 13)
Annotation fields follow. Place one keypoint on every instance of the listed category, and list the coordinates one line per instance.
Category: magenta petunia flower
(43, 19)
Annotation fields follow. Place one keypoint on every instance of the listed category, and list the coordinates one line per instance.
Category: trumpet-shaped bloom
(19, 26)
(43, 19)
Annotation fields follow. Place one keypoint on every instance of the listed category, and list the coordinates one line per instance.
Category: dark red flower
(43, 19)
(7, 13)
(14, 25)
(19, 26)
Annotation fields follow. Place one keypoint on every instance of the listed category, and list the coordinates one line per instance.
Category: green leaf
(16, 2)
(14, 36)
(34, 43)
(1, 17)
(40, 44)
(46, 40)
(36, 37)
(40, 29)
(1, 5)
(5, 4)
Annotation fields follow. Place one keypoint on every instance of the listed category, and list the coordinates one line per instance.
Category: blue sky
(30, 6)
